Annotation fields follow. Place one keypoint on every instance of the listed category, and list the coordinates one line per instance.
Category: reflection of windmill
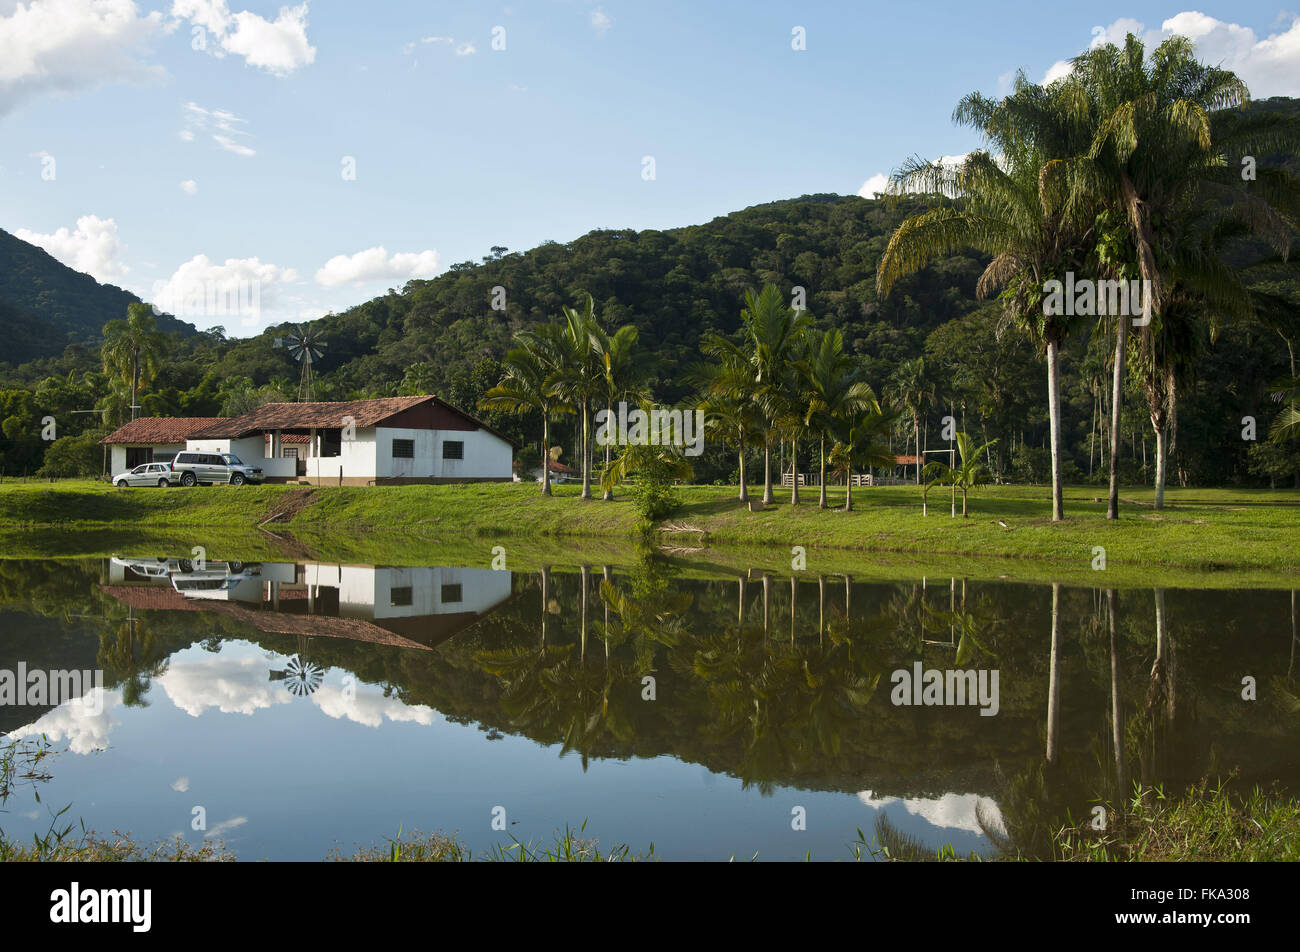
(306, 347)
(300, 676)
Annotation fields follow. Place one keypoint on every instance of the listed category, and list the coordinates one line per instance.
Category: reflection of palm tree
(129, 654)
(1054, 682)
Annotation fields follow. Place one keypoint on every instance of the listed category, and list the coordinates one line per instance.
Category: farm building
(390, 440)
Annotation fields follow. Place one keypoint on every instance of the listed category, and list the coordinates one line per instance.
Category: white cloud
(367, 705)
(1270, 67)
(181, 784)
(85, 724)
(225, 826)
(207, 293)
(952, 811)
(70, 45)
(232, 685)
(230, 145)
(92, 247)
(462, 49)
(190, 187)
(224, 128)
(278, 46)
(878, 184)
(600, 21)
(375, 264)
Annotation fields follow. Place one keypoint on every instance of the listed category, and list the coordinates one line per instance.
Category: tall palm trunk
(916, 432)
(767, 472)
(608, 494)
(794, 472)
(1054, 414)
(744, 487)
(1162, 459)
(848, 490)
(1116, 404)
(821, 502)
(546, 455)
(586, 451)
(135, 381)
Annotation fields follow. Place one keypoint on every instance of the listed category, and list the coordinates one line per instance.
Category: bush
(654, 497)
(73, 456)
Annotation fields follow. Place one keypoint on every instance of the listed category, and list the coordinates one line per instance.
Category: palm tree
(1163, 133)
(532, 380)
(133, 349)
(1001, 210)
(915, 391)
(862, 437)
(622, 372)
(829, 378)
(582, 375)
(739, 423)
(969, 475)
(770, 331)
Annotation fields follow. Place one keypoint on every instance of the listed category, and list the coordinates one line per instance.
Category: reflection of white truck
(215, 579)
(189, 580)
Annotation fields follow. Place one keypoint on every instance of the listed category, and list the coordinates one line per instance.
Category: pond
(290, 709)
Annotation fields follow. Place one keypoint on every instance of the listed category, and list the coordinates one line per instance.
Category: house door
(136, 455)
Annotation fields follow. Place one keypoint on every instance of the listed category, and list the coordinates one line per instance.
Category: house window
(403, 449)
(451, 593)
(138, 455)
(289, 452)
(401, 596)
(453, 449)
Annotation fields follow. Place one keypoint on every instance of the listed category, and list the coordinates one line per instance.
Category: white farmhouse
(386, 441)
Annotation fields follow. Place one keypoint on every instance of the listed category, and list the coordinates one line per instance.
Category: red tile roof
(160, 430)
(297, 416)
(277, 416)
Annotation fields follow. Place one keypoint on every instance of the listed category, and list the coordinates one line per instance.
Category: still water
(299, 708)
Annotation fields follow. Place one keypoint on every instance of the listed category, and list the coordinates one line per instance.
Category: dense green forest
(677, 287)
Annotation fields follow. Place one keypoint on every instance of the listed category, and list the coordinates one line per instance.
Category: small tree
(967, 476)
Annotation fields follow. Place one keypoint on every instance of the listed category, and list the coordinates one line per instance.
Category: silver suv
(211, 468)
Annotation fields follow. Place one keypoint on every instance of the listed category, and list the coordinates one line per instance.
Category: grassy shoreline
(1205, 537)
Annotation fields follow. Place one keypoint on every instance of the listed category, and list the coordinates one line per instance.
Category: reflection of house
(419, 439)
(152, 439)
(406, 607)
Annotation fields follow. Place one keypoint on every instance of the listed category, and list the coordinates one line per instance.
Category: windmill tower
(306, 347)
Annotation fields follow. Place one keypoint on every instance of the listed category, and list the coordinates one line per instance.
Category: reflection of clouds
(84, 723)
(369, 706)
(235, 682)
(951, 811)
(233, 685)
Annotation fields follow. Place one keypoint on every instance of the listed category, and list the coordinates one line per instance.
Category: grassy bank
(1203, 537)
(1206, 824)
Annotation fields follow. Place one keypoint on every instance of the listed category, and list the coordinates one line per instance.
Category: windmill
(300, 676)
(306, 347)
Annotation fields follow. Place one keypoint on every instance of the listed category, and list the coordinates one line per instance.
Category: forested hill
(674, 285)
(45, 305)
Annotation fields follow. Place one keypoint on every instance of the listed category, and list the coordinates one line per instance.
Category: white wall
(356, 457)
(486, 455)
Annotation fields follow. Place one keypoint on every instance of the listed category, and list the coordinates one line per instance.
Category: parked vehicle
(147, 474)
(209, 468)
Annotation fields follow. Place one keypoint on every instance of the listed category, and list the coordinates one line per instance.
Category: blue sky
(130, 154)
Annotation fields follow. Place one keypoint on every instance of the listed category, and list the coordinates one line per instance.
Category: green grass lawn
(1201, 535)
